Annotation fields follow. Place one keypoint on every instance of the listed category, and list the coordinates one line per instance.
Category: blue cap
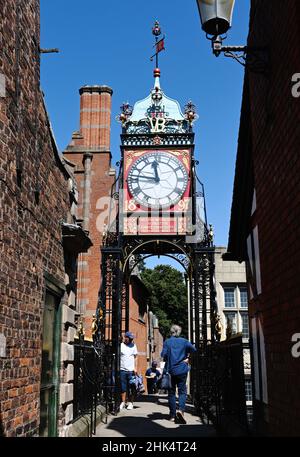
(129, 335)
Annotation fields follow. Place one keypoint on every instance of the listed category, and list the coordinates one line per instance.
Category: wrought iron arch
(180, 258)
(184, 258)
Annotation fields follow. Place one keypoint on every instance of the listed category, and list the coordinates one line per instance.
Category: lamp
(216, 15)
(216, 19)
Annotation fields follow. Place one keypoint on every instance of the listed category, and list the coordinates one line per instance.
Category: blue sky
(111, 43)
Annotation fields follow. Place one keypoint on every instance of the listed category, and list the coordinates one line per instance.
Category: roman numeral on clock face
(133, 179)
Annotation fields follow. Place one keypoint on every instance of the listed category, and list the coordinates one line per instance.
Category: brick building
(90, 156)
(231, 294)
(155, 339)
(138, 320)
(264, 227)
(39, 242)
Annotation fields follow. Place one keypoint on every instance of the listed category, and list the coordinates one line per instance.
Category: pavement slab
(149, 418)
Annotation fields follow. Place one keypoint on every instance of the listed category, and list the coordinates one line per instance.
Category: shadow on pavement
(146, 427)
(155, 423)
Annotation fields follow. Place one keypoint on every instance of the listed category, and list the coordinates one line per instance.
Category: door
(50, 362)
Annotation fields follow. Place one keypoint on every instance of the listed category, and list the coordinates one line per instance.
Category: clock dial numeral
(133, 179)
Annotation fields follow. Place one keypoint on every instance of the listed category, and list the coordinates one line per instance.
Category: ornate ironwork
(254, 58)
(144, 125)
(121, 254)
(126, 112)
(190, 113)
(156, 30)
(109, 328)
(89, 380)
(220, 384)
(143, 140)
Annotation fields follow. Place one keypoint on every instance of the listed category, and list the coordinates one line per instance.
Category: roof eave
(243, 185)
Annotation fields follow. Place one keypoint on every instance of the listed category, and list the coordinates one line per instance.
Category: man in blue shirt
(153, 376)
(175, 353)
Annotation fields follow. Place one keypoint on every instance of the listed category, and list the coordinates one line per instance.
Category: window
(245, 322)
(243, 297)
(235, 307)
(248, 389)
(229, 297)
(254, 259)
(259, 357)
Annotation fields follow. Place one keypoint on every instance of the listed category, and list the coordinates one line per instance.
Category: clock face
(157, 180)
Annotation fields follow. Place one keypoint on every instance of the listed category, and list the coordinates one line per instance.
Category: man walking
(127, 369)
(175, 353)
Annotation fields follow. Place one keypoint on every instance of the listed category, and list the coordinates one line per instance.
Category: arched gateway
(157, 208)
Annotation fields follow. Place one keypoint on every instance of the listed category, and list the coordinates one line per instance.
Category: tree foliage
(168, 299)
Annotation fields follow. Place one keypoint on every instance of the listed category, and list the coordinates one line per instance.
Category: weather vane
(159, 43)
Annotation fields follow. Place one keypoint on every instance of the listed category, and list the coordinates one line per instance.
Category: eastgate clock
(157, 180)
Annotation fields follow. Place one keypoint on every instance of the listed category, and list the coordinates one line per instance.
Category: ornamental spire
(159, 46)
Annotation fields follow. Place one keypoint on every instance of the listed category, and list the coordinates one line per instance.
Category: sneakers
(179, 418)
(172, 419)
(122, 405)
(130, 406)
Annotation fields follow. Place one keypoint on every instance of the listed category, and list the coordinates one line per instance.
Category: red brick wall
(275, 117)
(138, 321)
(30, 231)
(93, 137)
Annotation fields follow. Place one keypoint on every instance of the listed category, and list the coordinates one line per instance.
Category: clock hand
(139, 177)
(155, 165)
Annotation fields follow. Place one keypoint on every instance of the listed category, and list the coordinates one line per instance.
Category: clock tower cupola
(157, 156)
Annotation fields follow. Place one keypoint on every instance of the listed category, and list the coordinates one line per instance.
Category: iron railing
(218, 384)
(89, 382)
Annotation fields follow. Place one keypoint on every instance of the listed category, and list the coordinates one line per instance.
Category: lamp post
(216, 19)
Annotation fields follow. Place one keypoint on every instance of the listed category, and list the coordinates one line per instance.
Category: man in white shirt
(127, 369)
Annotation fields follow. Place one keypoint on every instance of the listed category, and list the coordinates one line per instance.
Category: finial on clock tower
(159, 44)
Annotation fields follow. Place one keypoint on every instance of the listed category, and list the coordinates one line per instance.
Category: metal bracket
(48, 51)
(254, 59)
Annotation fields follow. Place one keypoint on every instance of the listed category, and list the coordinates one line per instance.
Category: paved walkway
(149, 418)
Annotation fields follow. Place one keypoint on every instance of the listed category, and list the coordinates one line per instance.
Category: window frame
(237, 309)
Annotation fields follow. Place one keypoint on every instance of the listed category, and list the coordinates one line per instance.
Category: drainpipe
(87, 164)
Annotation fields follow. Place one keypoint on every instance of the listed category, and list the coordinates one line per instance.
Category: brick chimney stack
(95, 114)
(89, 154)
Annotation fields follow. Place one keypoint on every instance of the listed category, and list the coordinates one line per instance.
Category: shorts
(125, 377)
